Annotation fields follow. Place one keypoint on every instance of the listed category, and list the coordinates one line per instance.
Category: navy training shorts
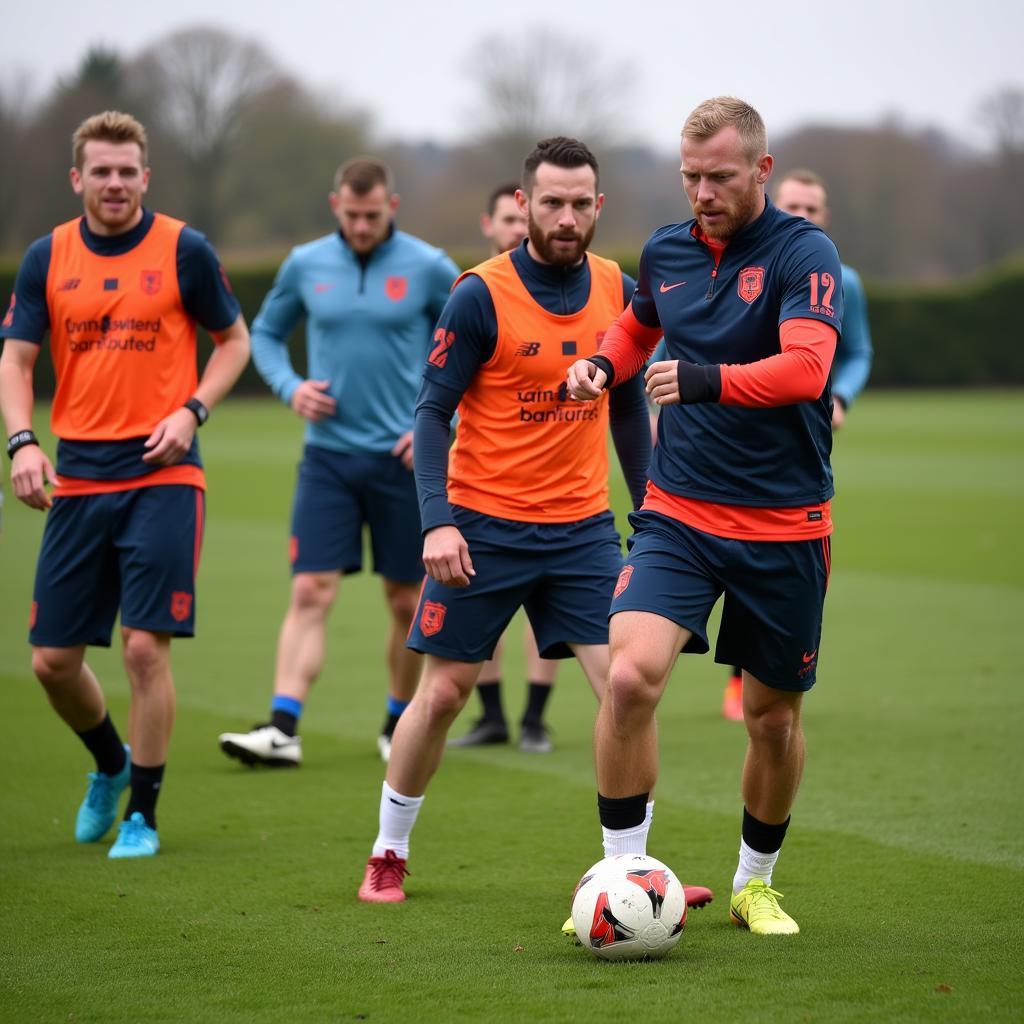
(137, 550)
(774, 594)
(340, 492)
(562, 574)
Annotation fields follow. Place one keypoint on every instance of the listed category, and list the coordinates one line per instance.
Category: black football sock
(389, 725)
(536, 700)
(490, 698)
(622, 812)
(103, 742)
(762, 837)
(285, 721)
(145, 789)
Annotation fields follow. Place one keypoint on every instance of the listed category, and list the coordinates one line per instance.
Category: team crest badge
(181, 605)
(151, 281)
(396, 288)
(432, 617)
(624, 578)
(751, 283)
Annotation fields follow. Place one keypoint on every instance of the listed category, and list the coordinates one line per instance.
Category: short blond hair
(804, 177)
(711, 116)
(110, 126)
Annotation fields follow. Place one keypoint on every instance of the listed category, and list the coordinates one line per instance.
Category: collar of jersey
(116, 245)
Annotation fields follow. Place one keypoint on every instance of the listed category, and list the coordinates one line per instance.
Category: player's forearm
(797, 374)
(626, 346)
(431, 432)
(273, 364)
(631, 434)
(851, 370)
(225, 365)
(17, 395)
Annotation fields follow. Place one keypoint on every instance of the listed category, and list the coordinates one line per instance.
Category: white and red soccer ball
(629, 907)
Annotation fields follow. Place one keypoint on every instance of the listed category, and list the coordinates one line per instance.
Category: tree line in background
(245, 153)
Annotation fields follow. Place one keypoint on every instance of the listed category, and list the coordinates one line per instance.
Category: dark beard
(559, 257)
(751, 208)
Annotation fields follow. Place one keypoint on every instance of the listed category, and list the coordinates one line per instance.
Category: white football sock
(628, 840)
(753, 865)
(397, 817)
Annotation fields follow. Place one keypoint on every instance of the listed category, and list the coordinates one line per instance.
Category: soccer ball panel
(629, 907)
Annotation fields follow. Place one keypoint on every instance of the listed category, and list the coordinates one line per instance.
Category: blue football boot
(135, 839)
(99, 808)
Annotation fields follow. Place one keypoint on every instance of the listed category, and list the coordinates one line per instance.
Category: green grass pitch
(903, 864)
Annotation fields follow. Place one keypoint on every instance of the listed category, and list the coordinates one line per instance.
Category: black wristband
(699, 383)
(604, 363)
(201, 413)
(22, 439)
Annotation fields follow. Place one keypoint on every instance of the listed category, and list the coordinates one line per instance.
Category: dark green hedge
(967, 334)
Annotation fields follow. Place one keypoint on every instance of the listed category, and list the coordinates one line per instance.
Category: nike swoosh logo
(668, 287)
(274, 745)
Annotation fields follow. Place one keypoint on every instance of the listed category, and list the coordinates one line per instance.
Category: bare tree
(200, 82)
(15, 174)
(537, 83)
(1003, 115)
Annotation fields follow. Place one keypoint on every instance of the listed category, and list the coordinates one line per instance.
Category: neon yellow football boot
(756, 907)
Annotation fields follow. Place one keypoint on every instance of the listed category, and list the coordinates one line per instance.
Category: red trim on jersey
(797, 374)
(742, 522)
(76, 487)
(628, 344)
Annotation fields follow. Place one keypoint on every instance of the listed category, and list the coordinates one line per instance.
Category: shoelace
(762, 902)
(133, 833)
(388, 871)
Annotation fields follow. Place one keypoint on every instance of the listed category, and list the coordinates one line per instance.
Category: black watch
(201, 413)
(22, 439)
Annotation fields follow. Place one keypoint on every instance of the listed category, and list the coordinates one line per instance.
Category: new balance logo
(528, 348)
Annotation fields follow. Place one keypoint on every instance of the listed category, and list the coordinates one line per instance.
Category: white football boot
(264, 744)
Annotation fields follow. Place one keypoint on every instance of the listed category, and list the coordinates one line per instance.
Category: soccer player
(518, 516)
(370, 295)
(504, 226)
(803, 194)
(120, 291)
(750, 303)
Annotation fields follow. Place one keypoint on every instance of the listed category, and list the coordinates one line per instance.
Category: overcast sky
(406, 63)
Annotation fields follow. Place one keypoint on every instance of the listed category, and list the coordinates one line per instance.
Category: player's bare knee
(145, 655)
(313, 592)
(444, 698)
(774, 726)
(402, 601)
(56, 666)
(633, 687)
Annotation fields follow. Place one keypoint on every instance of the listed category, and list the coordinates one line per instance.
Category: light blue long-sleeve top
(852, 363)
(368, 326)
